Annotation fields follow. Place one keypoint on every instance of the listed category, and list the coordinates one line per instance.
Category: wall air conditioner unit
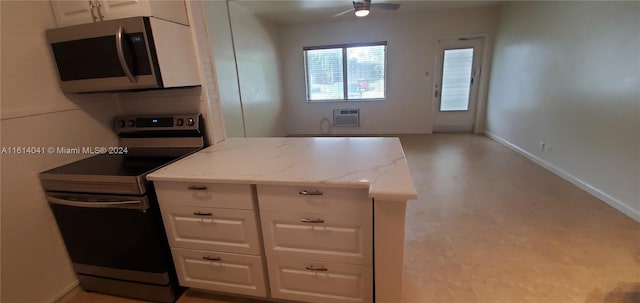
(346, 117)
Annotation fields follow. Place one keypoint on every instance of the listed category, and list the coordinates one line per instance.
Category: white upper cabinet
(115, 9)
(70, 12)
(73, 12)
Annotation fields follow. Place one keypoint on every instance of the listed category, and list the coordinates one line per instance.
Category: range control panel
(126, 124)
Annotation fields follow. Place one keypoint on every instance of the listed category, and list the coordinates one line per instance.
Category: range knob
(191, 122)
(121, 123)
(179, 122)
(131, 123)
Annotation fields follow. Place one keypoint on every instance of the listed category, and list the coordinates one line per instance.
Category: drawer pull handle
(307, 220)
(310, 193)
(211, 258)
(197, 213)
(197, 187)
(322, 268)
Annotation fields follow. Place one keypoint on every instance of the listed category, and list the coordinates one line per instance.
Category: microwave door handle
(119, 48)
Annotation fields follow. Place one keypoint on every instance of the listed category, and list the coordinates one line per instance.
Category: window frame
(345, 77)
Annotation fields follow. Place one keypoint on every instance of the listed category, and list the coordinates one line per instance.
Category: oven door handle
(114, 204)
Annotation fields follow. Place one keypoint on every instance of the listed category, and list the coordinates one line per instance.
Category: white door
(231, 273)
(73, 12)
(320, 282)
(455, 96)
(115, 9)
(328, 237)
(226, 230)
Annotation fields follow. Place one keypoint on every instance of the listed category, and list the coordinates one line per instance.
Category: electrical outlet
(541, 146)
(547, 148)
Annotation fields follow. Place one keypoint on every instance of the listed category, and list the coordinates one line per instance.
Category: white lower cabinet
(231, 273)
(329, 237)
(214, 235)
(315, 243)
(318, 243)
(321, 282)
(215, 229)
(231, 196)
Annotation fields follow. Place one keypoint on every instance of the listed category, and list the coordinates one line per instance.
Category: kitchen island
(329, 185)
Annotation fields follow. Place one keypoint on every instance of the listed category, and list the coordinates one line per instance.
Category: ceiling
(288, 12)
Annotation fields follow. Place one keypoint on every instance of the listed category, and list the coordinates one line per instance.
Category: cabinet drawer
(237, 196)
(315, 199)
(239, 274)
(326, 237)
(217, 229)
(311, 281)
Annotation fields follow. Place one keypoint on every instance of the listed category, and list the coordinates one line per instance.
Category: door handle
(197, 213)
(197, 187)
(113, 204)
(93, 15)
(307, 220)
(310, 193)
(211, 258)
(312, 268)
(121, 58)
(98, 6)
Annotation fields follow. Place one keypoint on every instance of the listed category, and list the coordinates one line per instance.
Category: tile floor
(490, 226)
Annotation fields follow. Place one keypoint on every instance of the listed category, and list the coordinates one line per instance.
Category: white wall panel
(567, 74)
(253, 91)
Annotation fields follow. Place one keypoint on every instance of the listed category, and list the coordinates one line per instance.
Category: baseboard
(65, 294)
(613, 202)
(352, 135)
(451, 129)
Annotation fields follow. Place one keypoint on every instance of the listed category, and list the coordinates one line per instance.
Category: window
(456, 79)
(346, 72)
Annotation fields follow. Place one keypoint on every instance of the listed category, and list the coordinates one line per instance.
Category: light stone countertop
(357, 162)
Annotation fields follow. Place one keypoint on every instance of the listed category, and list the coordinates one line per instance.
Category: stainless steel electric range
(108, 213)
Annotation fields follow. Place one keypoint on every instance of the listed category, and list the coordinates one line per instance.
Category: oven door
(112, 236)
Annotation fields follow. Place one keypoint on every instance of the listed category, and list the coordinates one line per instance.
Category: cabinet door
(215, 229)
(323, 200)
(343, 239)
(236, 196)
(239, 274)
(172, 10)
(115, 9)
(72, 12)
(321, 282)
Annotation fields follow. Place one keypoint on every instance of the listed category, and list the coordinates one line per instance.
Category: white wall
(219, 31)
(211, 106)
(205, 99)
(260, 83)
(567, 73)
(35, 265)
(410, 53)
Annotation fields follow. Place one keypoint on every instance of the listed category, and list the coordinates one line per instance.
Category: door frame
(483, 84)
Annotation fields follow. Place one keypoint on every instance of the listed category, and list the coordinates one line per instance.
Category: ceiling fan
(362, 7)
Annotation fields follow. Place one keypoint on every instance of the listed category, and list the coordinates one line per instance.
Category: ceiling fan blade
(345, 12)
(388, 6)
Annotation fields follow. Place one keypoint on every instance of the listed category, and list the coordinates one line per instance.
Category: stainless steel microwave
(135, 53)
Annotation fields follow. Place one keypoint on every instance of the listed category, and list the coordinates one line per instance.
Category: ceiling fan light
(362, 12)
